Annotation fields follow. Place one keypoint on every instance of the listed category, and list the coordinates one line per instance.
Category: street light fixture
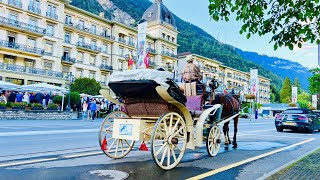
(71, 79)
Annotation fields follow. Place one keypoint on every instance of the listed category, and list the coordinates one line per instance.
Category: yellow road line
(27, 162)
(210, 173)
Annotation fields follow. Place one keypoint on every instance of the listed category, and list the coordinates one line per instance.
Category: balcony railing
(52, 15)
(21, 47)
(68, 59)
(34, 9)
(121, 40)
(15, 3)
(130, 43)
(151, 50)
(108, 36)
(89, 46)
(152, 63)
(29, 70)
(168, 54)
(135, 58)
(106, 67)
(21, 25)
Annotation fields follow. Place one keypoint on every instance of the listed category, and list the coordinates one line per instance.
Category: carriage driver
(191, 72)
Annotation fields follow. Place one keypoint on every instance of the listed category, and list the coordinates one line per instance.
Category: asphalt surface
(70, 150)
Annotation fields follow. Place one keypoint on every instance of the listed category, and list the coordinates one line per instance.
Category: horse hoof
(234, 146)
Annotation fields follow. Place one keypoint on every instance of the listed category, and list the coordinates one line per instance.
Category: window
(32, 24)
(94, 29)
(48, 48)
(131, 39)
(168, 37)
(68, 19)
(104, 61)
(66, 53)
(92, 60)
(28, 63)
(105, 32)
(92, 75)
(47, 65)
(65, 71)
(163, 35)
(81, 24)
(67, 37)
(50, 29)
(103, 78)
(34, 6)
(80, 57)
(167, 50)
(162, 48)
(94, 43)
(79, 73)
(105, 48)
(120, 65)
(31, 42)
(81, 41)
(173, 39)
(131, 52)
(51, 12)
(121, 51)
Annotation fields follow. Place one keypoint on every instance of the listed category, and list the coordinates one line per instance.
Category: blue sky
(196, 12)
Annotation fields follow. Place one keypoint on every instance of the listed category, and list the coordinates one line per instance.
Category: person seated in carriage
(191, 72)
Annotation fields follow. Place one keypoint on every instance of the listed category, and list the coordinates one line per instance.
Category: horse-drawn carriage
(156, 112)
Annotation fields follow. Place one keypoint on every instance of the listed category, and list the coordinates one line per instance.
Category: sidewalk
(306, 168)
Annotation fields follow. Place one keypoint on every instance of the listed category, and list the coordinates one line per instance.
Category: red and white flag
(147, 60)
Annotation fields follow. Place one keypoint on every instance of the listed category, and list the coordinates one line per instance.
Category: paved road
(69, 150)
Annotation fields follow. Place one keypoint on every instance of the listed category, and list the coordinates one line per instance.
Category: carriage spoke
(163, 155)
(174, 155)
(165, 127)
(178, 148)
(168, 156)
(182, 127)
(117, 147)
(170, 124)
(122, 147)
(112, 143)
(175, 126)
(157, 153)
(127, 142)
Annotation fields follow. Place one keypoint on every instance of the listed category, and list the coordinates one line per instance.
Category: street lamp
(70, 78)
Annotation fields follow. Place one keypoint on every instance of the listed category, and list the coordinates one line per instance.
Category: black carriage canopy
(142, 83)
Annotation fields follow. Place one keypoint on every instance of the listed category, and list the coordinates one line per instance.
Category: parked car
(298, 119)
(317, 112)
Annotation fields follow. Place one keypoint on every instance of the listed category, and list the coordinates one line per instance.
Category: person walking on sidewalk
(93, 108)
(84, 110)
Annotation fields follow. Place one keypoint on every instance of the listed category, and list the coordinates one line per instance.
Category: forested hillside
(191, 37)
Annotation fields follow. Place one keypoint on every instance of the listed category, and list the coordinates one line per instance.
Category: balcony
(106, 67)
(68, 60)
(122, 40)
(34, 9)
(130, 43)
(166, 53)
(15, 3)
(22, 26)
(150, 50)
(108, 36)
(152, 63)
(21, 47)
(88, 47)
(29, 70)
(52, 15)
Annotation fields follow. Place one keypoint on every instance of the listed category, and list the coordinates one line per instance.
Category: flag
(130, 63)
(147, 60)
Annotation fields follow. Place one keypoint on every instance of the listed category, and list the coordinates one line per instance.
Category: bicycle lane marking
(216, 171)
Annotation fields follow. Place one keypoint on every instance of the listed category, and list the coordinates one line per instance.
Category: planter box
(36, 109)
(52, 109)
(3, 107)
(18, 108)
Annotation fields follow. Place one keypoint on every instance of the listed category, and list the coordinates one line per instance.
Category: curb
(265, 176)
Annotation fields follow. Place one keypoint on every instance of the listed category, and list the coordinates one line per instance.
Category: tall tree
(291, 22)
(314, 81)
(86, 86)
(296, 83)
(286, 91)
(275, 93)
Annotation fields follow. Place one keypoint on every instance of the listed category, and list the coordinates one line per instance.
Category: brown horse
(230, 106)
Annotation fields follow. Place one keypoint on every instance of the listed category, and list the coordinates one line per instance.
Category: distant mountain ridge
(191, 37)
(279, 66)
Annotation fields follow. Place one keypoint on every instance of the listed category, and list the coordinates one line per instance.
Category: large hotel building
(44, 40)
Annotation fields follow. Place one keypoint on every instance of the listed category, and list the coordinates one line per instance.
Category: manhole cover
(110, 174)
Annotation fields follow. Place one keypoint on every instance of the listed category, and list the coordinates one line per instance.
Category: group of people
(93, 107)
(43, 98)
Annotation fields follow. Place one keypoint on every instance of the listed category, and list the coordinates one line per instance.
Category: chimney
(101, 14)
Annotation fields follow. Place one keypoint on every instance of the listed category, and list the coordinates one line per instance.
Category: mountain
(282, 67)
(191, 37)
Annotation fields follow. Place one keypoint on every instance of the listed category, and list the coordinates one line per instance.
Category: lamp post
(70, 78)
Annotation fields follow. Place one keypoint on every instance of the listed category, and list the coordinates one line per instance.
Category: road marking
(30, 133)
(213, 172)
(28, 162)
(245, 134)
(245, 124)
(84, 154)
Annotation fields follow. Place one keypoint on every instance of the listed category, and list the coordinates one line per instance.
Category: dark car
(317, 112)
(298, 119)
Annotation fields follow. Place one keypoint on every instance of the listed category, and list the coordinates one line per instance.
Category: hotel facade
(45, 40)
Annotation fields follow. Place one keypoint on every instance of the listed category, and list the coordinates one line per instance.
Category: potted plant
(19, 105)
(3, 105)
(250, 96)
(36, 106)
(53, 107)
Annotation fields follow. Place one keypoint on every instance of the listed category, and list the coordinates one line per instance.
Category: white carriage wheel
(169, 140)
(116, 148)
(214, 140)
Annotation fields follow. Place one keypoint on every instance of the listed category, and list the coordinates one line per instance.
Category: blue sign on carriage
(125, 129)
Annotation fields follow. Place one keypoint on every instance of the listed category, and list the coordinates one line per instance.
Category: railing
(21, 25)
(89, 46)
(15, 3)
(21, 47)
(108, 36)
(34, 9)
(67, 41)
(130, 43)
(52, 15)
(106, 67)
(68, 59)
(29, 70)
(127, 57)
(122, 40)
(151, 50)
(152, 63)
(168, 54)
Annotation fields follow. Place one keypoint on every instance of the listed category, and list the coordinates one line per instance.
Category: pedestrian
(12, 97)
(26, 98)
(39, 98)
(47, 97)
(98, 108)
(93, 108)
(3, 98)
(19, 97)
(32, 98)
(84, 110)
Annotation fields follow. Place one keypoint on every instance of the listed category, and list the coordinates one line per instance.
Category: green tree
(86, 85)
(314, 81)
(272, 97)
(290, 22)
(74, 99)
(296, 83)
(286, 91)
(275, 92)
(304, 96)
